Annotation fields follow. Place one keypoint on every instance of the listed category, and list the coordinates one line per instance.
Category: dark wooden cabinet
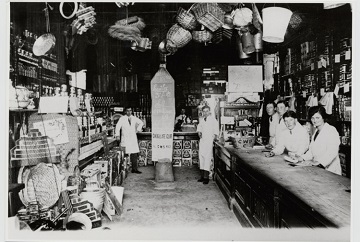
(266, 198)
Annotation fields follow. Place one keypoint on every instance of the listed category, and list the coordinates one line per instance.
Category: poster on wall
(245, 78)
(162, 114)
(55, 129)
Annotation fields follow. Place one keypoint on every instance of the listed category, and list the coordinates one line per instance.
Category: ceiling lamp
(276, 21)
(332, 5)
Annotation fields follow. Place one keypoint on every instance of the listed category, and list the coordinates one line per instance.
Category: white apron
(209, 129)
(128, 133)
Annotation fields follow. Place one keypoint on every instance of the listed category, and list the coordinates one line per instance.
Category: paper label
(322, 91)
(337, 58)
(319, 64)
(312, 66)
(348, 55)
(346, 87)
(304, 94)
(336, 90)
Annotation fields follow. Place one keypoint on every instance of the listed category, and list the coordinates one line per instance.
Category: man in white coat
(295, 140)
(129, 125)
(281, 108)
(208, 130)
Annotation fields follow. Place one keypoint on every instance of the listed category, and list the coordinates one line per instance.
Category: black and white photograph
(180, 121)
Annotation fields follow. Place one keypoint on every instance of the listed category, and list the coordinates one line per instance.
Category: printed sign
(245, 78)
(55, 129)
(162, 114)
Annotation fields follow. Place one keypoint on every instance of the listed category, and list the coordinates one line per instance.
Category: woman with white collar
(324, 146)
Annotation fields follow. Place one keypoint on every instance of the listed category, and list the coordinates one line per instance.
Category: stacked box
(149, 156)
(149, 145)
(186, 153)
(187, 144)
(177, 161)
(177, 144)
(143, 157)
(142, 144)
(186, 162)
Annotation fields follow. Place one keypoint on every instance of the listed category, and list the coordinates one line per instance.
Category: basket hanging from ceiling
(202, 36)
(178, 36)
(186, 19)
(209, 14)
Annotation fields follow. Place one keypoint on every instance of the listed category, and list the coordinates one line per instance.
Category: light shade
(332, 5)
(276, 21)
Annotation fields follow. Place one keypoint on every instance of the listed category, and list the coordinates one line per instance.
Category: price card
(336, 90)
(348, 55)
(346, 87)
(304, 94)
(319, 64)
(322, 91)
(337, 58)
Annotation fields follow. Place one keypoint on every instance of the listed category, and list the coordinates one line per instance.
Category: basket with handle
(178, 35)
(186, 19)
(202, 36)
(209, 14)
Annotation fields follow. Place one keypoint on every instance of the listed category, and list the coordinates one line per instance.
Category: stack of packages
(145, 155)
(185, 152)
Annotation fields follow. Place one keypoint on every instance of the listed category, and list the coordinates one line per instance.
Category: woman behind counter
(324, 147)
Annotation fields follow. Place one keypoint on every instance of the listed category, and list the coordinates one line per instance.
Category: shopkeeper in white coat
(281, 108)
(294, 140)
(129, 125)
(324, 146)
(208, 130)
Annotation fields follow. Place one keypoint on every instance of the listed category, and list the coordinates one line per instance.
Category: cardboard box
(186, 153)
(195, 145)
(142, 144)
(177, 144)
(187, 144)
(177, 153)
(149, 145)
(186, 162)
(177, 161)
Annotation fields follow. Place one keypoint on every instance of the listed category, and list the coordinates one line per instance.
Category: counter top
(175, 133)
(324, 192)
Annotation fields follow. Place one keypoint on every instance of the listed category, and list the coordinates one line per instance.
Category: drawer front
(242, 193)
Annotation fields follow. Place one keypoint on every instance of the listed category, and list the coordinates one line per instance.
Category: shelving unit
(315, 64)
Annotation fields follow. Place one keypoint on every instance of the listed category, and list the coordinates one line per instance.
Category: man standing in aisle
(129, 125)
(281, 108)
(208, 130)
(273, 122)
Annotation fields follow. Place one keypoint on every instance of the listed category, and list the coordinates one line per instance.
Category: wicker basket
(202, 36)
(243, 142)
(186, 19)
(178, 35)
(209, 14)
(170, 47)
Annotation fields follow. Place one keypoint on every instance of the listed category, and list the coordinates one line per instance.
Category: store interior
(75, 68)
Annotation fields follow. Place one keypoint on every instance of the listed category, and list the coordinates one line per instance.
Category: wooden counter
(268, 192)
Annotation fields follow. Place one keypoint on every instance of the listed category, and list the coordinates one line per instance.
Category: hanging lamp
(276, 21)
(331, 5)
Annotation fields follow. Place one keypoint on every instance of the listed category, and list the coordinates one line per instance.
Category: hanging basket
(186, 19)
(170, 47)
(209, 14)
(178, 36)
(202, 36)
